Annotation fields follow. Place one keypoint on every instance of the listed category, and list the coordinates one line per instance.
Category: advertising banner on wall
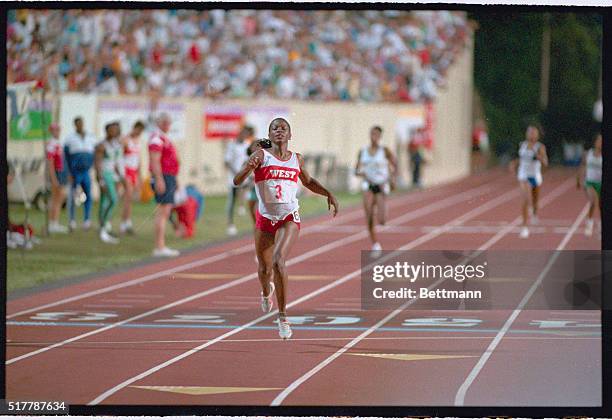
(29, 116)
(223, 122)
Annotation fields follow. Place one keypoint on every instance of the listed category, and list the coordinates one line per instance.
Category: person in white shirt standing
(377, 165)
(235, 156)
(79, 152)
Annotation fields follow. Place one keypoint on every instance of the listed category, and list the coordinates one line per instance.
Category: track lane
(134, 354)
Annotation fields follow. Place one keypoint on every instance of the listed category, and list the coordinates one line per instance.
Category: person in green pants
(109, 171)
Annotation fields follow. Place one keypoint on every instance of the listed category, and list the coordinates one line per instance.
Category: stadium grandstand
(372, 56)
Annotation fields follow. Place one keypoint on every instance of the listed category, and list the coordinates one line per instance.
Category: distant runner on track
(277, 225)
(376, 164)
(589, 178)
(528, 167)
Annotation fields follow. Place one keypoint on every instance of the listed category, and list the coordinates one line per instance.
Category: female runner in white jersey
(376, 164)
(589, 178)
(277, 170)
(528, 167)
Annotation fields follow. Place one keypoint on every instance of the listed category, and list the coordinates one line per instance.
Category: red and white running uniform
(55, 153)
(276, 185)
(131, 159)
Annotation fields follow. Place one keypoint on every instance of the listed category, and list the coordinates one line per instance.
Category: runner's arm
(249, 166)
(316, 187)
(392, 162)
(358, 171)
(542, 156)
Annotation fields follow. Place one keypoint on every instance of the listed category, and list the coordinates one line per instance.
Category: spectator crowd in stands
(290, 54)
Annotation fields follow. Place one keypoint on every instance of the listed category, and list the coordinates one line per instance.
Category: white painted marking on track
(460, 396)
(412, 244)
(264, 340)
(447, 202)
(126, 300)
(244, 249)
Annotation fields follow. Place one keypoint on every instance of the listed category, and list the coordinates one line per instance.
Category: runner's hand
(332, 202)
(253, 162)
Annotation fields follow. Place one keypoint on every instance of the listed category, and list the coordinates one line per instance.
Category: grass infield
(61, 256)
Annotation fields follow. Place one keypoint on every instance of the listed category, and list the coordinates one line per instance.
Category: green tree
(507, 75)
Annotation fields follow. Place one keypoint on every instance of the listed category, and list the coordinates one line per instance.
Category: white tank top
(529, 166)
(276, 184)
(131, 153)
(593, 166)
(376, 167)
(113, 154)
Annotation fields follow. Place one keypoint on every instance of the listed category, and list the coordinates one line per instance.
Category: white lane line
(460, 396)
(265, 340)
(219, 257)
(412, 244)
(126, 300)
(305, 256)
(295, 384)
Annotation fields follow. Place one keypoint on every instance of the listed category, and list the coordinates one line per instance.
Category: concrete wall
(450, 158)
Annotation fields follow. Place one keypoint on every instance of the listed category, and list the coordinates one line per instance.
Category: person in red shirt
(58, 177)
(164, 167)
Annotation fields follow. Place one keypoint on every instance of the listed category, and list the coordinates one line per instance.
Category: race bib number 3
(276, 193)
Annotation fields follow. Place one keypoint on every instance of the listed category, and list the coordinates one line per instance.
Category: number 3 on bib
(279, 192)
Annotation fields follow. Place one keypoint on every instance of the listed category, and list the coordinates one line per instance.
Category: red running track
(190, 331)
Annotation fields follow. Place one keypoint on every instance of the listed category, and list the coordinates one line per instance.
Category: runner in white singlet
(589, 179)
(376, 164)
(277, 220)
(528, 168)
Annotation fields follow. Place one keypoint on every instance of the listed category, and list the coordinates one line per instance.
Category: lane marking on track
(126, 300)
(482, 189)
(295, 384)
(12, 343)
(441, 329)
(460, 396)
(409, 357)
(414, 243)
(353, 214)
(205, 276)
(422, 211)
(202, 390)
(218, 276)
